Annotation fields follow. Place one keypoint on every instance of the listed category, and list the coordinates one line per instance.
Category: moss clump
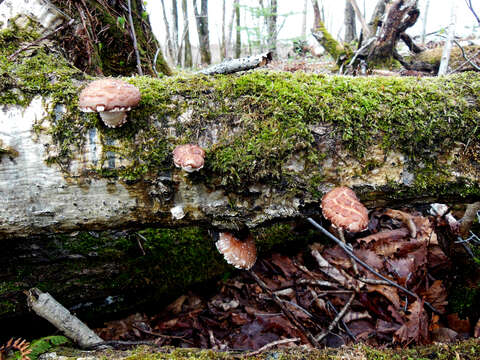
(468, 350)
(419, 118)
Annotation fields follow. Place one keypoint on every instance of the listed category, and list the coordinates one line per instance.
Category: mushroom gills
(114, 118)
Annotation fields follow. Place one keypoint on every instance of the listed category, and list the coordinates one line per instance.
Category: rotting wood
(236, 65)
(47, 307)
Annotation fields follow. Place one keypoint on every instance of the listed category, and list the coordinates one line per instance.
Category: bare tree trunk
(350, 26)
(203, 32)
(272, 25)
(377, 15)
(187, 52)
(238, 41)
(401, 15)
(448, 43)
(223, 43)
(360, 17)
(317, 18)
(168, 37)
(175, 35)
(304, 20)
(425, 17)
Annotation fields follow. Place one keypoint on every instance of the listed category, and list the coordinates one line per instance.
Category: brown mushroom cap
(241, 254)
(189, 157)
(342, 207)
(109, 96)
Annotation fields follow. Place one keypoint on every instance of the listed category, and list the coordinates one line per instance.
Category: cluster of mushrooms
(112, 98)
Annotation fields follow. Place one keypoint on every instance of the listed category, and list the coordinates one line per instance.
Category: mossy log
(457, 60)
(275, 143)
(467, 350)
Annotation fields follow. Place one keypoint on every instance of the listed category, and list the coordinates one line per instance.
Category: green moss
(419, 118)
(468, 350)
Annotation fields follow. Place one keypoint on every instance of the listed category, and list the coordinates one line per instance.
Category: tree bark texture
(270, 156)
(187, 57)
(272, 25)
(203, 32)
(238, 37)
(350, 26)
(401, 15)
(99, 41)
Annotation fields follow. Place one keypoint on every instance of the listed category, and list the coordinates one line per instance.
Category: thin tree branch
(339, 316)
(287, 312)
(134, 38)
(469, 4)
(475, 66)
(272, 344)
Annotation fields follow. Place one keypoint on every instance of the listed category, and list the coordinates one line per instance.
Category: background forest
(208, 31)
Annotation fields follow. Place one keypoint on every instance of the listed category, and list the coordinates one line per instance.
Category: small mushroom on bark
(112, 98)
(189, 157)
(240, 253)
(343, 209)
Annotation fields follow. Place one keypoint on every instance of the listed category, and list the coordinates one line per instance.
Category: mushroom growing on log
(112, 98)
(343, 209)
(189, 157)
(241, 254)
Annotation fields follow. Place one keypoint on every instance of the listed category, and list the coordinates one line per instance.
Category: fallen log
(275, 143)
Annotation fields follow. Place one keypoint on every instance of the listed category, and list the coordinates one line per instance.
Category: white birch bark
(447, 49)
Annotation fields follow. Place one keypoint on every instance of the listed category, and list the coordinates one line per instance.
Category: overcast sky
(438, 17)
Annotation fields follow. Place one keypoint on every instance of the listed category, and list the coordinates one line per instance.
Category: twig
(140, 245)
(316, 283)
(134, 38)
(287, 312)
(305, 311)
(347, 330)
(47, 307)
(155, 61)
(337, 318)
(272, 344)
(372, 281)
(162, 335)
(475, 66)
(15, 54)
(366, 266)
(120, 343)
(469, 4)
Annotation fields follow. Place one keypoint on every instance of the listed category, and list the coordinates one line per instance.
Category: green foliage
(44, 345)
(121, 21)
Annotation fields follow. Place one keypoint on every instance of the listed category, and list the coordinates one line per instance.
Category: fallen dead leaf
(388, 291)
(416, 328)
(386, 236)
(437, 296)
(457, 324)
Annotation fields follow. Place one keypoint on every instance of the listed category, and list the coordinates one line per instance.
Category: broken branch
(236, 65)
(50, 309)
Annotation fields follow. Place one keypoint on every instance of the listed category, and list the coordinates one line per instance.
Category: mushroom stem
(114, 118)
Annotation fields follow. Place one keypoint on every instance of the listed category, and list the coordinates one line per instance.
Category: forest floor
(319, 283)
